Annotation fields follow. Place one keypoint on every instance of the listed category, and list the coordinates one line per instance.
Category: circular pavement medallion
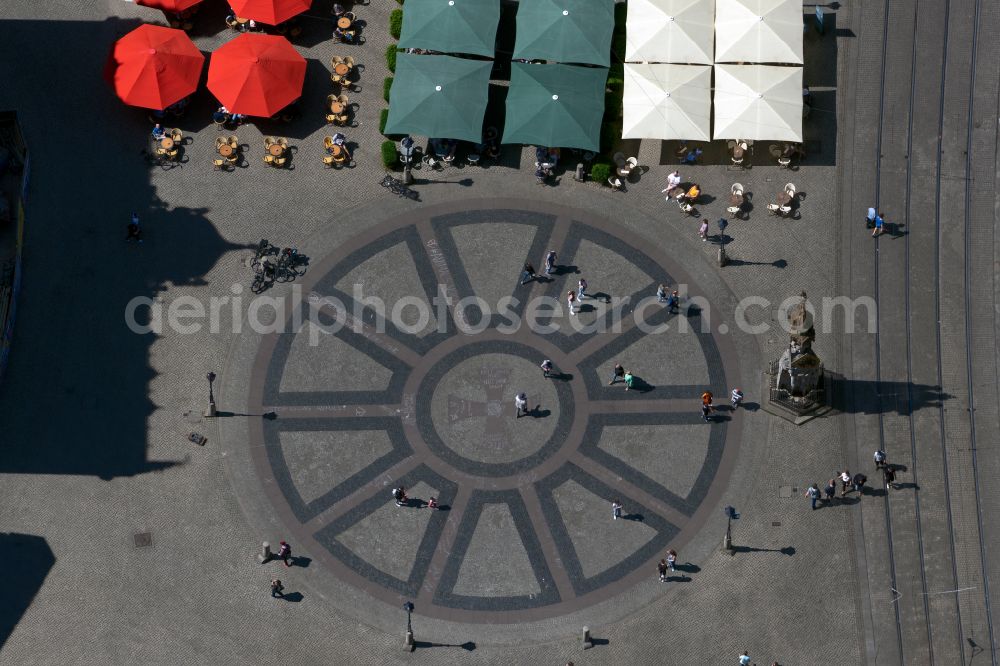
(398, 365)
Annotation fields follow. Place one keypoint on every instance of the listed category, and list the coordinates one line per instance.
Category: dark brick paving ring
(524, 528)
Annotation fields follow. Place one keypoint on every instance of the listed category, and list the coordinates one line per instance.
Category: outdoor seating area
(756, 55)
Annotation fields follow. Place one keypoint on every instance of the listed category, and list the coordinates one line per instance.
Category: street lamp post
(408, 643)
(728, 542)
(211, 396)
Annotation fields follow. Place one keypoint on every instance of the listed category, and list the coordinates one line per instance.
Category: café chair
(219, 164)
(328, 161)
(176, 135)
(348, 60)
(773, 208)
(328, 142)
(790, 189)
(269, 159)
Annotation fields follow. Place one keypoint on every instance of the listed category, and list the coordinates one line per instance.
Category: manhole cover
(143, 539)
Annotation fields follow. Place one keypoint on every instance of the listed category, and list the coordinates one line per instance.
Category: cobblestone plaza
(127, 543)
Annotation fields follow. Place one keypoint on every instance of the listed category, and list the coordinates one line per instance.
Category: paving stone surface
(96, 418)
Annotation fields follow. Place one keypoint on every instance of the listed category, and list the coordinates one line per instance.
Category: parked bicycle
(397, 186)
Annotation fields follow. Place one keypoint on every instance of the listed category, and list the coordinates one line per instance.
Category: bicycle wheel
(259, 284)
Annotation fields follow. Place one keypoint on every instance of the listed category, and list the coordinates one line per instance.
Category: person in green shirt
(629, 380)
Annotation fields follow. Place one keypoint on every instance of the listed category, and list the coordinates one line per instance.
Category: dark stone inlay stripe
(599, 390)
(391, 395)
(443, 225)
(327, 536)
(665, 531)
(426, 425)
(326, 286)
(686, 505)
(580, 231)
(466, 530)
(306, 511)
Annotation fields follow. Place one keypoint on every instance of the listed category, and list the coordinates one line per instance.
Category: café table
(275, 149)
(675, 191)
(226, 150)
(343, 23)
(336, 108)
(341, 69)
(736, 200)
(166, 143)
(783, 198)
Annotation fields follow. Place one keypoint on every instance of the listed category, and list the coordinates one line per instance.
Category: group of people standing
(848, 482)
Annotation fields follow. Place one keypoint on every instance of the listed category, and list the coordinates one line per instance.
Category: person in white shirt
(521, 404)
(673, 180)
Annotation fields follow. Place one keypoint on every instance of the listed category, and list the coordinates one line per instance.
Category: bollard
(408, 644)
(578, 175)
(265, 554)
(723, 259)
(587, 643)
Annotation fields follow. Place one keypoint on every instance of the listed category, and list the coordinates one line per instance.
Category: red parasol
(154, 67)
(256, 75)
(271, 12)
(172, 6)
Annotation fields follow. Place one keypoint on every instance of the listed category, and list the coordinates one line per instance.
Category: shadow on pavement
(27, 560)
(72, 351)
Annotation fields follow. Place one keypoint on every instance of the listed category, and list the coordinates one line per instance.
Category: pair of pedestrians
(620, 374)
(668, 563)
(875, 222)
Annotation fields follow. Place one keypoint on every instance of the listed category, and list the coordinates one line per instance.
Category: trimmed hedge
(620, 15)
(396, 23)
(611, 133)
(390, 57)
(389, 157)
(600, 170)
(618, 47)
(386, 87)
(382, 120)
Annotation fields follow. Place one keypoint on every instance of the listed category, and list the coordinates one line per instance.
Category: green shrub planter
(618, 47)
(396, 23)
(386, 87)
(382, 120)
(390, 57)
(389, 158)
(600, 171)
(620, 16)
(610, 134)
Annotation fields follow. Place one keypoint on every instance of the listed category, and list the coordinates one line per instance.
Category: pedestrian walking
(528, 273)
(673, 302)
(399, 494)
(706, 398)
(285, 553)
(723, 223)
(879, 459)
(879, 225)
(132, 231)
(830, 491)
(706, 411)
(432, 503)
(859, 482)
(521, 404)
(571, 301)
(812, 492)
(581, 289)
(661, 293)
(744, 658)
(277, 589)
(889, 476)
(617, 375)
(703, 231)
(845, 482)
(616, 510)
(550, 262)
(736, 398)
(629, 380)
(672, 559)
(870, 219)
(661, 568)
(547, 368)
